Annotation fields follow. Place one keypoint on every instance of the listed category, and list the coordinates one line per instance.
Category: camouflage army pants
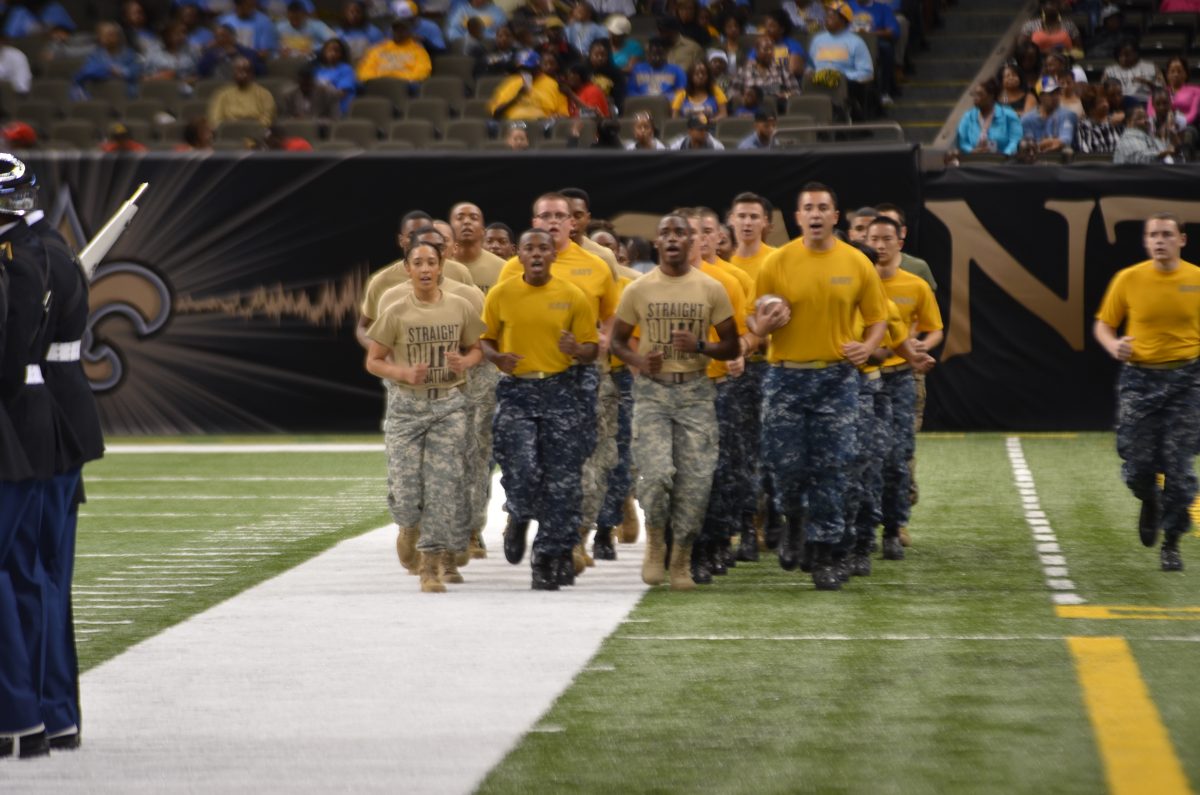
(895, 505)
(914, 493)
(620, 477)
(537, 443)
(604, 457)
(1158, 430)
(809, 444)
(426, 441)
(724, 513)
(480, 392)
(866, 481)
(675, 449)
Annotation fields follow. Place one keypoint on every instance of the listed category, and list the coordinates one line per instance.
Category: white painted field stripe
(232, 479)
(1054, 564)
(338, 675)
(174, 497)
(88, 623)
(878, 638)
(201, 449)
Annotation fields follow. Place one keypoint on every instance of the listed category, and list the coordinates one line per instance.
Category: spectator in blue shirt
(839, 48)
(30, 19)
(491, 15)
(878, 18)
(763, 136)
(989, 126)
(626, 50)
(1051, 126)
(300, 35)
(333, 67)
(358, 34)
(217, 59)
(583, 29)
(252, 28)
(110, 60)
(199, 35)
(138, 34)
(656, 77)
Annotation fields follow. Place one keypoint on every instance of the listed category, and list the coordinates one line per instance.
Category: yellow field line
(1128, 612)
(1134, 745)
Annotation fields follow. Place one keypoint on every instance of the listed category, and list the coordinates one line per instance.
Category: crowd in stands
(1106, 84)
(690, 69)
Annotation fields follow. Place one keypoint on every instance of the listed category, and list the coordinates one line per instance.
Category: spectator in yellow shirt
(245, 100)
(403, 57)
(529, 94)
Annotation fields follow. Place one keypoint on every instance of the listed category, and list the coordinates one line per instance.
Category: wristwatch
(699, 346)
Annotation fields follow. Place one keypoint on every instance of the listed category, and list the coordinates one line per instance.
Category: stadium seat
(389, 88)
(114, 92)
(486, 86)
(51, 89)
(434, 111)
(418, 132)
(38, 113)
(377, 110)
(450, 89)
(1165, 23)
(460, 66)
(394, 146)
(672, 129)
(1161, 45)
(286, 67)
(139, 129)
(239, 130)
(477, 109)
(192, 108)
(496, 146)
(817, 106)
(63, 67)
(658, 107)
(339, 145)
(472, 132)
(448, 146)
(143, 109)
(361, 132)
(302, 128)
(78, 133)
(837, 96)
(548, 143)
(98, 111)
(171, 132)
(562, 130)
(164, 91)
(278, 86)
(736, 129)
(204, 89)
(230, 145)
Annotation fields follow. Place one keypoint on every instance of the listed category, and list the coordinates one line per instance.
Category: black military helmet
(18, 187)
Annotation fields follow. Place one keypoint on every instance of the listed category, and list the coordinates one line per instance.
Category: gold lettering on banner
(971, 242)
(1116, 209)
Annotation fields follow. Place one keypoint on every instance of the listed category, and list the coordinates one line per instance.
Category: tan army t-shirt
(659, 304)
(423, 333)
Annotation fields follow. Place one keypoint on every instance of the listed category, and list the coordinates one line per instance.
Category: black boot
(716, 561)
(564, 570)
(544, 573)
(701, 573)
(824, 573)
(748, 548)
(892, 548)
(791, 546)
(860, 562)
(1150, 518)
(775, 529)
(725, 551)
(1169, 555)
(514, 539)
(32, 745)
(841, 565)
(602, 546)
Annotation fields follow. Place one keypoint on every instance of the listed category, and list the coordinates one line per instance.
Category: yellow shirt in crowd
(529, 320)
(1160, 310)
(407, 61)
(543, 100)
(823, 289)
(485, 269)
(252, 103)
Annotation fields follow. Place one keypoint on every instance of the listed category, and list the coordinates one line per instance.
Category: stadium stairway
(968, 35)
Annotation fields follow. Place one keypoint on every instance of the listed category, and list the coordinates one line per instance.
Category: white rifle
(99, 246)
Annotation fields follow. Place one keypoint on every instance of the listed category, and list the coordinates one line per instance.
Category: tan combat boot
(449, 569)
(681, 568)
(579, 559)
(656, 554)
(430, 582)
(584, 532)
(630, 527)
(475, 547)
(905, 538)
(462, 557)
(406, 548)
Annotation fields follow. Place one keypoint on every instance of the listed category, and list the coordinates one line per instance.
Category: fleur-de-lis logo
(133, 292)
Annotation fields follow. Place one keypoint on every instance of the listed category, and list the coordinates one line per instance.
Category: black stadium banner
(230, 304)
(1022, 256)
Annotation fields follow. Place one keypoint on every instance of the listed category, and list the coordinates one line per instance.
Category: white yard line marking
(233, 479)
(877, 638)
(175, 497)
(168, 555)
(88, 623)
(293, 686)
(201, 449)
(1054, 564)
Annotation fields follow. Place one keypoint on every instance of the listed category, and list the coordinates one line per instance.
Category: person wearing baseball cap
(763, 136)
(1051, 126)
(403, 56)
(841, 50)
(529, 94)
(626, 50)
(698, 136)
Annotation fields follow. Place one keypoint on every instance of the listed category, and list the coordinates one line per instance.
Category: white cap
(618, 25)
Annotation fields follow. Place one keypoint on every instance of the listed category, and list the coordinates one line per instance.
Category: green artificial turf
(947, 673)
(119, 537)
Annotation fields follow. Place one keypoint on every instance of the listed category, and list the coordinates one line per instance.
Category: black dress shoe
(66, 742)
(1169, 557)
(716, 561)
(514, 539)
(6, 747)
(825, 577)
(748, 548)
(725, 551)
(602, 546)
(544, 575)
(34, 745)
(892, 548)
(564, 570)
(1149, 519)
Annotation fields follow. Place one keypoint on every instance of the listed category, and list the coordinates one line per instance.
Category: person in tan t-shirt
(425, 342)
(675, 424)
